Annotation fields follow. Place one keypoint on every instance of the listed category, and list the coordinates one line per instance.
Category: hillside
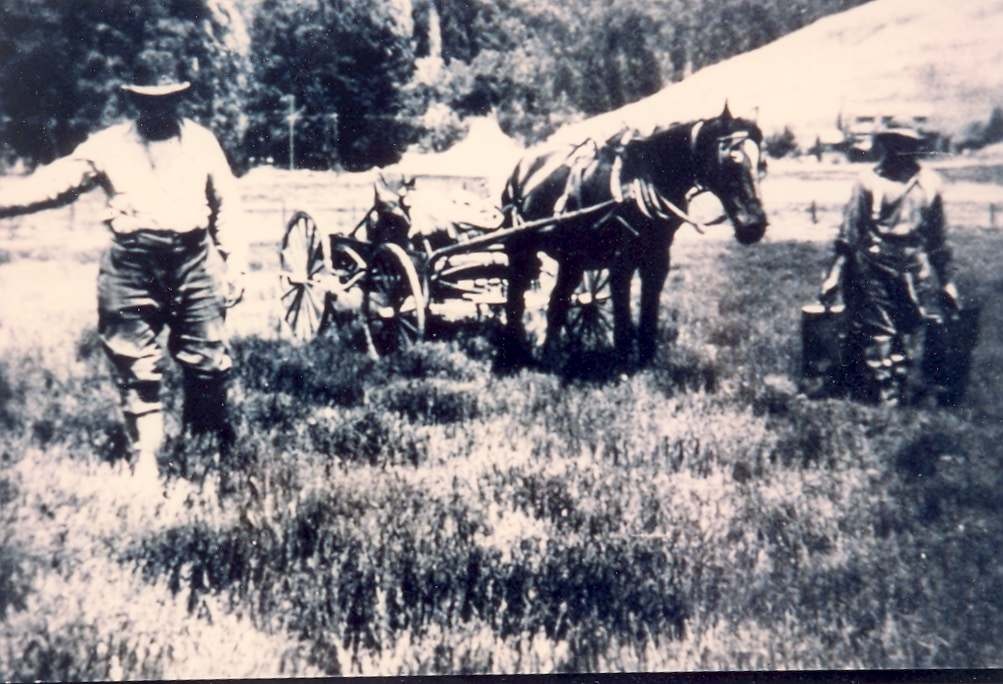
(885, 57)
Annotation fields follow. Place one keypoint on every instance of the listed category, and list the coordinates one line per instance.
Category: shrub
(781, 144)
(373, 436)
(993, 132)
(15, 566)
(10, 400)
(440, 128)
(362, 568)
(431, 401)
(324, 373)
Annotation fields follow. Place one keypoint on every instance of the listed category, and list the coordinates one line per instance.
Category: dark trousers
(886, 315)
(152, 279)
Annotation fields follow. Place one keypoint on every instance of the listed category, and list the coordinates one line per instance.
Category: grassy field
(423, 514)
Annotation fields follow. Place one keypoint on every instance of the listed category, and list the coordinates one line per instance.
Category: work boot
(205, 409)
(881, 371)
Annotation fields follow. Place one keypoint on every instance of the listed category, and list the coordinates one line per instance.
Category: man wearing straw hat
(171, 195)
(892, 236)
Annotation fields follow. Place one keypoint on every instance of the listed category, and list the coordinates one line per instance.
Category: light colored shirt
(179, 184)
(896, 219)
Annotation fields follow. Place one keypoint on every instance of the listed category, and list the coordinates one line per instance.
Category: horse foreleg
(522, 268)
(568, 278)
(623, 327)
(653, 275)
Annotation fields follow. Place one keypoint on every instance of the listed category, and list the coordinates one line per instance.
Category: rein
(362, 222)
(654, 204)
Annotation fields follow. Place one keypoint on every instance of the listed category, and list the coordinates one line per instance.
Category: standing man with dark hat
(172, 210)
(892, 236)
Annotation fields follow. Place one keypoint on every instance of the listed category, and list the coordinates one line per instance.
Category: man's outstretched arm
(53, 185)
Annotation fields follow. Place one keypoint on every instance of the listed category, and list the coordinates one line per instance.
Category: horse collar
(695, 135)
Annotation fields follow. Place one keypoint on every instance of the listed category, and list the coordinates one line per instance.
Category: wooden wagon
(397, 290)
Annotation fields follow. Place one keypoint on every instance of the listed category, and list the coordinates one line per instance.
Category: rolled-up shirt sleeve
(50, 186)
(226, 221)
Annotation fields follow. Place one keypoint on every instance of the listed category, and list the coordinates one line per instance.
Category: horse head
(729, 163)
(389, 220)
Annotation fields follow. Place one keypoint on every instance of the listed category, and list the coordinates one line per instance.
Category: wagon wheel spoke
(315, 308)
(289, 292)
(302, 298)
(600, 283)
(575, 318)
(304, 314)
(394, 303)
(318, 266)
(293, 311)
(407, 332)
(590, 323)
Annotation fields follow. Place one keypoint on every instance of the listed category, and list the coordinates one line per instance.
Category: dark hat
(898, 129)
(155, 75)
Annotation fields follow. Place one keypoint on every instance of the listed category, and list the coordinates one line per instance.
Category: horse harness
(583, 161)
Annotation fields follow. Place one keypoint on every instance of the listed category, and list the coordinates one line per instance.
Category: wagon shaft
(538, 226)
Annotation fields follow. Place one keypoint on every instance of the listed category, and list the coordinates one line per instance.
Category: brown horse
(625, 200)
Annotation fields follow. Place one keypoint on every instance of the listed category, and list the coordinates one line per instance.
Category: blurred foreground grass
(422, 514)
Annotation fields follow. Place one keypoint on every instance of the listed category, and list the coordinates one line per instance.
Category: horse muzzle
(748, 218)
(750, 233)
(750, 224)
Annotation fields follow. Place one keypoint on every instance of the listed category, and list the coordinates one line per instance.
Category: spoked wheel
(393, 304)
(349, 270)
(302, 296)
(590, 318)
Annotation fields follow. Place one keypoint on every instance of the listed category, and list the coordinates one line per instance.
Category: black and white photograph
(387, 338)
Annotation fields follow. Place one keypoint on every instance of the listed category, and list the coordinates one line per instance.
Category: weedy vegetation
(423, 514)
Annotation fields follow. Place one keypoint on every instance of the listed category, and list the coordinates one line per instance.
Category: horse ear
(726, 112)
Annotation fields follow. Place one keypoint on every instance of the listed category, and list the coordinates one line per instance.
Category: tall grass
(422, 514)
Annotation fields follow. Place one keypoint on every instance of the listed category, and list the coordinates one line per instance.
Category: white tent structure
(486, 152)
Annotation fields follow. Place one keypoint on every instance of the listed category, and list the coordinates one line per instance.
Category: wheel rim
(346, 264)
(302, 262)
(394, 306)
(590, 319)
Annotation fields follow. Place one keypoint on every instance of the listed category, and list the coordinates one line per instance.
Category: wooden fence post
(992, 215)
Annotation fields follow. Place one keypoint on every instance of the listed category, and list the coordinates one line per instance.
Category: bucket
(823, 349)
(947, 353)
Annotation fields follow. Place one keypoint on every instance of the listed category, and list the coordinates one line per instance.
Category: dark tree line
(61, 64)
(359, 76)
(343, 65)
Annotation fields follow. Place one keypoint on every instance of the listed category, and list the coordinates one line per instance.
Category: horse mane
(727, 125)
(672, 144)
(642, 153)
